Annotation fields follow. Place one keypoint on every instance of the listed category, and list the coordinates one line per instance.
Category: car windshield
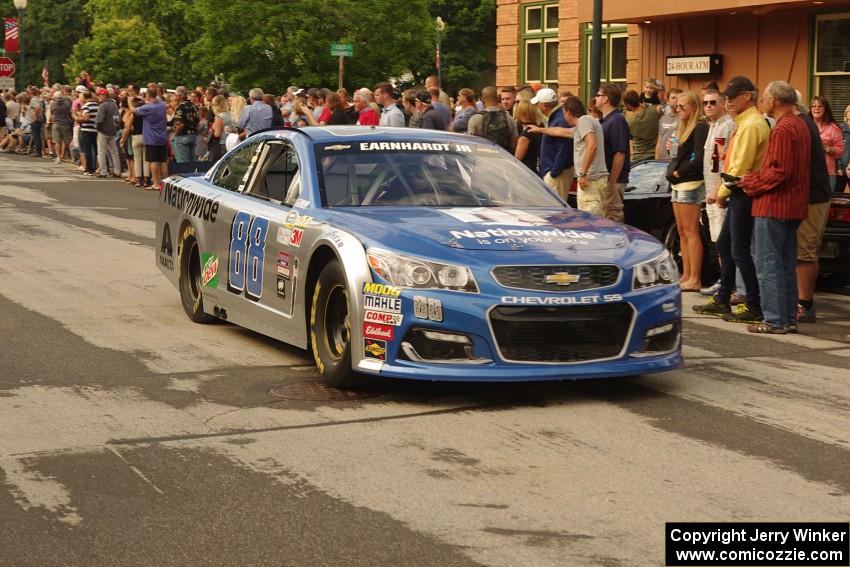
(383, 173)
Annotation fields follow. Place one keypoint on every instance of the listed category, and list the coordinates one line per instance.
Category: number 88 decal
(247, 251)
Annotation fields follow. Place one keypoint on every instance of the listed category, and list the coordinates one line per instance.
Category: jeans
(734, 249)
(184, 148)
(88, 146)
(775, 245)
(36, 128)
(107, 151)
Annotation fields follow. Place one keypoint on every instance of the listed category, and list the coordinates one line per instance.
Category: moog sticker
(381, 289)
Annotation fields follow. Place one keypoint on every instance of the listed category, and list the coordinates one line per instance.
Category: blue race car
(416, 254)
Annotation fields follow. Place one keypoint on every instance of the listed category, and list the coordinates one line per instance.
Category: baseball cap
(101, 91)
(545, 96)
(738, 85)
(82, 89)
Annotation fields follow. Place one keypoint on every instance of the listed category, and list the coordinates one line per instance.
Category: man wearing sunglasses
(744, 155)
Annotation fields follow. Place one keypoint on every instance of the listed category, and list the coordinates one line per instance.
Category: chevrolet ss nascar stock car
(415, 254)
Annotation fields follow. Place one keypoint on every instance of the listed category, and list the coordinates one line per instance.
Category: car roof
(326, 134)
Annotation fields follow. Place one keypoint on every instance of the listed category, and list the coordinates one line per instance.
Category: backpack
(497, 128)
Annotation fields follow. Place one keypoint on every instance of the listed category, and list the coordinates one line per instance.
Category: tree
(128, 50)
(48, 32)
(468, 46)
(283, 43)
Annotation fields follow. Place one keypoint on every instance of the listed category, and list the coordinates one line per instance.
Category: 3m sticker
(378, 331)
(375, 349)
(296, 237)
(381, 289)
(393, 319)
(382, 303)
(209, 270)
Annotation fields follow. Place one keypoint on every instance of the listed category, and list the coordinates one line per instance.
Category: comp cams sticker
(394, 319)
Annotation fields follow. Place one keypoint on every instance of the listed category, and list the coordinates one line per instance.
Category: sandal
(766, 329)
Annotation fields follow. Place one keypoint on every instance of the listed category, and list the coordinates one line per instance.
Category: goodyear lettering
(381, 289)
(570, 300)
(382, 303)
(199, 206)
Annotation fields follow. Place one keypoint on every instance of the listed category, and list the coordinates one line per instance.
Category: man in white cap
(556, 153)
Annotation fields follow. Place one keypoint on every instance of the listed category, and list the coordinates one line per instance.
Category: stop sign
(7, 67)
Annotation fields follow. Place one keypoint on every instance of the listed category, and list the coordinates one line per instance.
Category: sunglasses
(709, 102)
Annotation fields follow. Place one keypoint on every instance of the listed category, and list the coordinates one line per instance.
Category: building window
(832, 60)
(539, 44)
(615, 39)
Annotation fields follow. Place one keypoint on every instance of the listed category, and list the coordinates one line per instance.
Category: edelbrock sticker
(378, 331)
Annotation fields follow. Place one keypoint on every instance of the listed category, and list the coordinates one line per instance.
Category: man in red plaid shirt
(780, 193)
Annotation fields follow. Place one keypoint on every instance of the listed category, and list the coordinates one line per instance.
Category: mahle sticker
(382, 303)
(209, 270)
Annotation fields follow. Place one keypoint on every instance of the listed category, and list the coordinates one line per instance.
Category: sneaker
(743, 314)
(764, 328)
(792, 329)
(806, 315)
(737, 299)
(710, 290)
(57, 160)
(713, 307)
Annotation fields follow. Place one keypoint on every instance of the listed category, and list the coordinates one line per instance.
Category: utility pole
(596, 49)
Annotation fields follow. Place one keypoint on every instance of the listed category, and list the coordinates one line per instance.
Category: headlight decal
(661, 270)
(418, 273)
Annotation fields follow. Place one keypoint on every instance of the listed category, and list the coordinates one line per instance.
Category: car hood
(492, 228)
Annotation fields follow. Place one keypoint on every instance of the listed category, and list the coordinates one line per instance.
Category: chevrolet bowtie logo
(561, 278)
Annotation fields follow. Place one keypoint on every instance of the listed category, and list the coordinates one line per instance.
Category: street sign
(7, 83)
(342, 49)
(7, 67)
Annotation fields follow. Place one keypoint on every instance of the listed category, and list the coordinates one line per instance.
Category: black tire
(330, 328)
(710, 270)
(189, 276)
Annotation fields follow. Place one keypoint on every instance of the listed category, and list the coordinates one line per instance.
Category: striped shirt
(91, 108)
(780, 189)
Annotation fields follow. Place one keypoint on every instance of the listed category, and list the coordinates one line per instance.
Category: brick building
(806, 43)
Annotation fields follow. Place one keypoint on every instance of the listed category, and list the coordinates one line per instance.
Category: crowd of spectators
(761, 164)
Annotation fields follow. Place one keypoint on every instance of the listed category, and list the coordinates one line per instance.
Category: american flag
(10, 27)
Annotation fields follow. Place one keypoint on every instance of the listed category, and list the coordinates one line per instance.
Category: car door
(262, 249)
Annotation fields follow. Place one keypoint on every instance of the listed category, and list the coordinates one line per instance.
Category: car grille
(561, 334)
(534, 277)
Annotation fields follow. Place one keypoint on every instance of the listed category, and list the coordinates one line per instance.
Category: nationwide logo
(381, 289)
(514, 232)
(377, 331)
(393, 319)
(204, 208)
(375, 349)
(209, 272)
(561, 279)
(382, 303)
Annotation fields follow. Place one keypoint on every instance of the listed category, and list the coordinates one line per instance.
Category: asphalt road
(130, 436)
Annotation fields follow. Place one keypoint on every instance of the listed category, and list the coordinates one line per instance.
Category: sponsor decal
(492, 216)
(283, 264)
(335, 237)
(337, 147)
(381, 289)
(585, 300)
(382, 303)
(296, 237)
(393, 319)
(412, 147)
(301, 204)
(198, 206)
(561, 279)
(209, 270)
(378, 331)
(294, 220)
(543, 235)
(281, 287)
(166, 249)
(283, 235)
(375, 349)
(427, 308)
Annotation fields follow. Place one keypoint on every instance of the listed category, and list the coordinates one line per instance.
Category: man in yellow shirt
(745, 154)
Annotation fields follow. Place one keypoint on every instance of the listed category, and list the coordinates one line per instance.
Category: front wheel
(330, 328)
(190, 277)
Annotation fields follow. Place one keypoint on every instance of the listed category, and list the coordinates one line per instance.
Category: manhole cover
(316, 391)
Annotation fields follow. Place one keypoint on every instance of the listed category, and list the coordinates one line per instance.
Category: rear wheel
(330, 328)
(191, 295)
